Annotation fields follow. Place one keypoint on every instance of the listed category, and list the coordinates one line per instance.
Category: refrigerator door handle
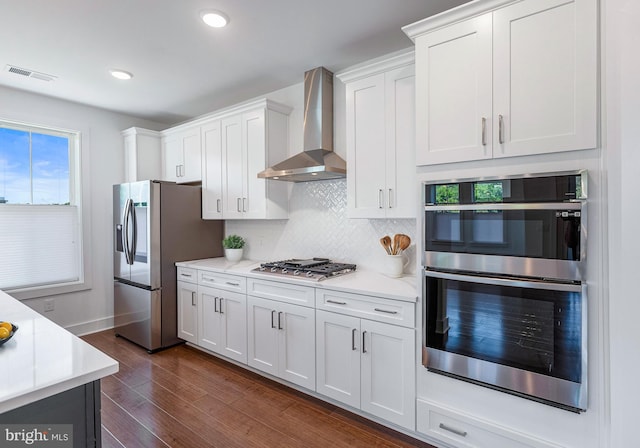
(135, 232)
(125, 234)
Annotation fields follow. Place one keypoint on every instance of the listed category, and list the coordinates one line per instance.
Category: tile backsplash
(318, 226)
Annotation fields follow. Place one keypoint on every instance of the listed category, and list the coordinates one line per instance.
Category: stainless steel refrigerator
(156, 224)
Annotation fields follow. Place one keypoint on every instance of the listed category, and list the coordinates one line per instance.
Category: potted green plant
(233, 247)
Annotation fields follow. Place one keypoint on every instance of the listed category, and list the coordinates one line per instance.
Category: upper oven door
(508, 226)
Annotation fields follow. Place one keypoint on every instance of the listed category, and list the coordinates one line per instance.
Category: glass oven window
(536, 330)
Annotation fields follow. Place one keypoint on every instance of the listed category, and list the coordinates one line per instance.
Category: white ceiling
(183, 68)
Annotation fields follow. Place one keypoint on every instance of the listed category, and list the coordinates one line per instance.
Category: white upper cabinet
(251, 140)
(181, 156)
(142, 159)
(517, 80)
(380, 130)
(211, 140)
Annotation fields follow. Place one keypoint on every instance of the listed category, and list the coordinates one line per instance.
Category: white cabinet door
(181, 156)
(209, 319)
(192, 159)
(211, 170)
(232, 306)
(263, 335)
(544, 77)
(400, 162)
(388, 372)
(296, 345)
(233, 173)
(188, 312)
(366, 147)
(453, 93)
(172, 157)
(254, 148)
(338, 345)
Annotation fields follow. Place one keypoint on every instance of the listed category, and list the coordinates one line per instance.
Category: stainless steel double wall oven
(505, 301)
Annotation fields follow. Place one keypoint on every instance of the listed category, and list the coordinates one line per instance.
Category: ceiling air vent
(29, 73)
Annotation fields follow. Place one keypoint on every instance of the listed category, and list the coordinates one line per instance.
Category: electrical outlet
(49, 305)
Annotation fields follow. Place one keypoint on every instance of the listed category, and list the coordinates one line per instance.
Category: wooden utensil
(386, 243)
(395, 248)
(405, 242)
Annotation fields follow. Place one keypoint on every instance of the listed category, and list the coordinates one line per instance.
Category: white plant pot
(233, 255)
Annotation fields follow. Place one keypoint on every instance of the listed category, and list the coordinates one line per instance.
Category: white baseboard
(92, 326)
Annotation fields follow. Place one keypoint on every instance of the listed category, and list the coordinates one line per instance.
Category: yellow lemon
(4, 333)
(6, 325)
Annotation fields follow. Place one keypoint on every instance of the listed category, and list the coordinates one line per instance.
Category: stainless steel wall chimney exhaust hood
(317, 161)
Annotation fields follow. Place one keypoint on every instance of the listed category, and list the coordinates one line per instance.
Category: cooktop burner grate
(315, 269)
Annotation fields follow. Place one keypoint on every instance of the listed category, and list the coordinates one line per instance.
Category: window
(40, 207)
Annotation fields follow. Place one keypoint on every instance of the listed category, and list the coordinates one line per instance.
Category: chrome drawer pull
(185, 275)
(353, 339)
(453, 430)
(336, 302)
(221, 312)
(364, 350)
(385, 311)
(209, 279)
(232, 283)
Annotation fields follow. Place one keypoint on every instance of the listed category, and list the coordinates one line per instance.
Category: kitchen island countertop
(43, 359)
(359, 282)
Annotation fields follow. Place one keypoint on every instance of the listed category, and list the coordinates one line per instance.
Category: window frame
(79, 194)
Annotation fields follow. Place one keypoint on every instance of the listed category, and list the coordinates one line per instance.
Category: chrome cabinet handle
(364, 350)
(353, 339)
(390, 198)
(244, 204)
(232, 283)
(500, 129)
(279, 323)
(484, 131)
(336, 302)
(193, 298)
(238, 206)
(209, 279)
(453, 430)
(185, 275)
(177, 170)
(385, 311)
(221, 312)
(215, 304)
(380, 198)
(218, 205)
(272, 313)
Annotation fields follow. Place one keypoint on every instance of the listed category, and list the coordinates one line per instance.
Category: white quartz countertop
(359, 282)
(43, 359)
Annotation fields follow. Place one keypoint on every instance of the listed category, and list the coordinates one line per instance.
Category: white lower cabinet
(188, 311)
(461, 430)
(282, 340)
(363, 363)
(223, 322)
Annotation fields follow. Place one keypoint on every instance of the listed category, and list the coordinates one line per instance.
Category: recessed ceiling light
(120, 74)
(214, 19)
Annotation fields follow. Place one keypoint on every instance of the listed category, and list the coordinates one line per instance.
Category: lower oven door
(522, 337)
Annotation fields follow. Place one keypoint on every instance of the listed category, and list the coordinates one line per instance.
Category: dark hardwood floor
(182, 397)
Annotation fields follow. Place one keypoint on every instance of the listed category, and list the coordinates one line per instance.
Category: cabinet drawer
(282, 292)
(462, 431)
(187, 275)
(222, 281)
(368, 307)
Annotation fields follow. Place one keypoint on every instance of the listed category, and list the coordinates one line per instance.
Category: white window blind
(39, 245)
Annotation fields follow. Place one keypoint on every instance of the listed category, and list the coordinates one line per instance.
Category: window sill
(48, 290)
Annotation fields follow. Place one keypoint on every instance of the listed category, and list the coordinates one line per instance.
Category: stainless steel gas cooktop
(313, 269)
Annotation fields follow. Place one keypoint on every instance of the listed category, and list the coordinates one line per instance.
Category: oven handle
(502, 281)
(509, 206)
